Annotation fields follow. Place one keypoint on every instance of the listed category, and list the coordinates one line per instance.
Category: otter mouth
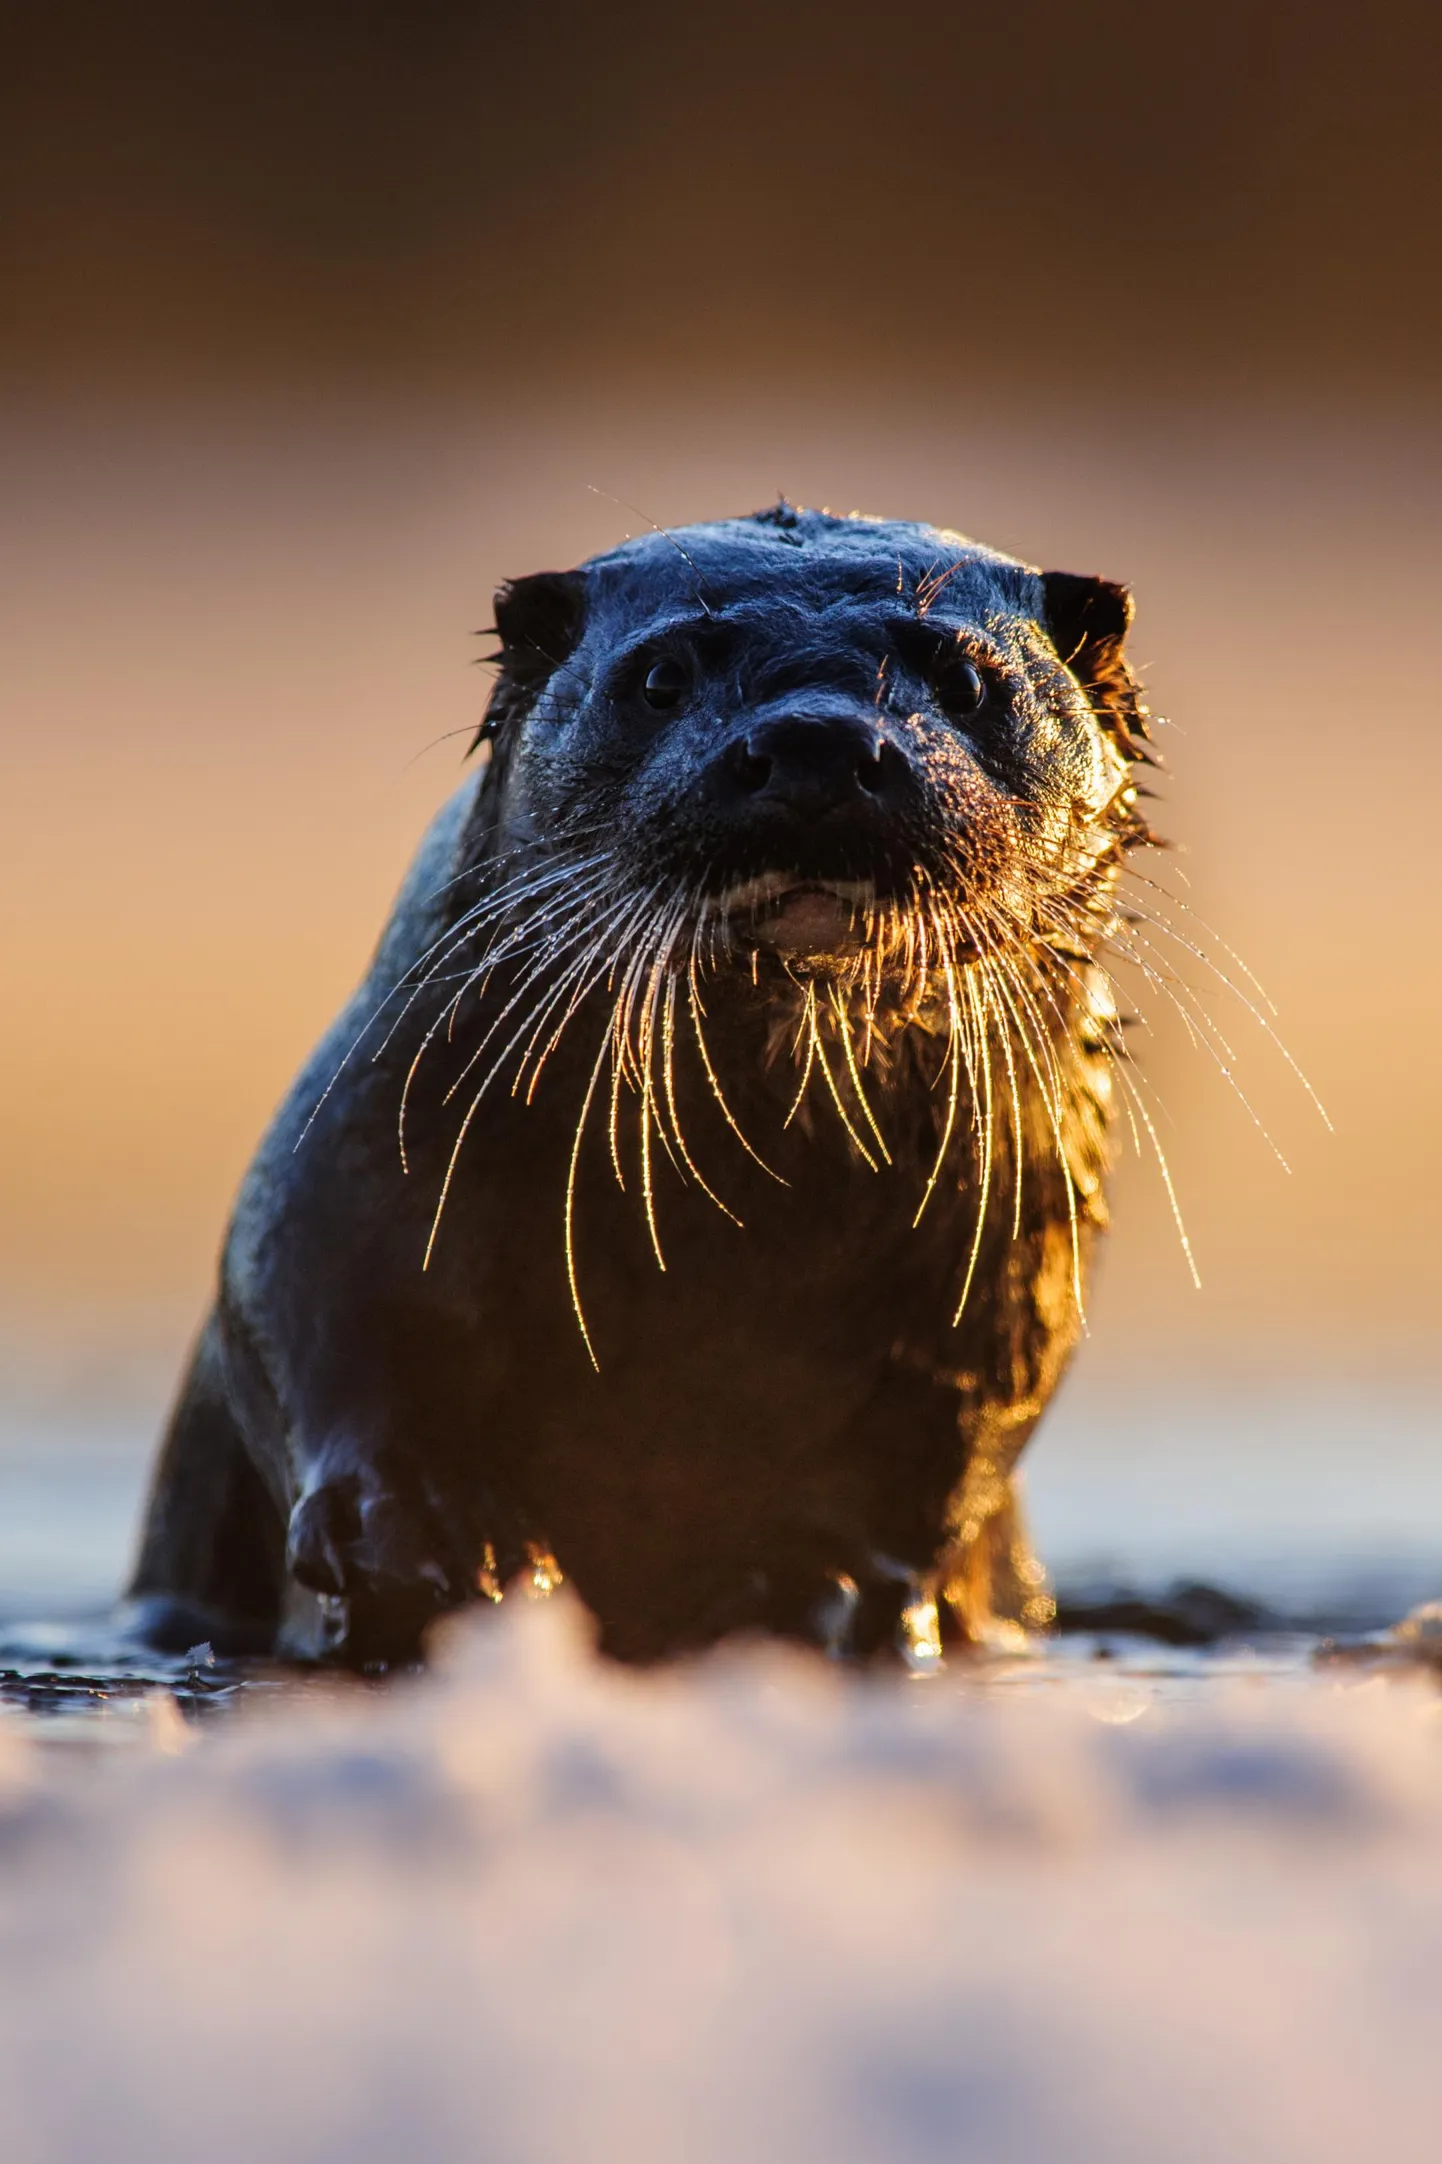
(794, 915)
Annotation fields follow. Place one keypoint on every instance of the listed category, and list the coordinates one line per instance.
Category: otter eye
(666, 684)
(959, 685)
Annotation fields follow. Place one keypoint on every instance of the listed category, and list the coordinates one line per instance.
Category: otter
(697, 1197)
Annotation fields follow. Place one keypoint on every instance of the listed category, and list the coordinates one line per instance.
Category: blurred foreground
(529, 1908)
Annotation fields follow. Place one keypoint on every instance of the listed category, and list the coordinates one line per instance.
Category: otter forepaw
(357, 1535)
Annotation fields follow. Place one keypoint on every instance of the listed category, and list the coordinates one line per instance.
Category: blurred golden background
(318, 319)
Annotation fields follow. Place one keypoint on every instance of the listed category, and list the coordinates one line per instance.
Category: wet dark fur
(788, 1426)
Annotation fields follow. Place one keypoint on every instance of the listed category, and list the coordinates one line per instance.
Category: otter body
(696, 1198)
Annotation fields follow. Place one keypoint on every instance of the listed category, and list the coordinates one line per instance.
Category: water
(1310, 1512)
(1323, 1502)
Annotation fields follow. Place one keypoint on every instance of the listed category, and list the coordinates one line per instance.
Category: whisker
(808, 1023)
(1004, 1032)
(1202, 1030)
(843, 1026)
(668, 1060)
(1163, 1167)
(818, 1047)
(460, 1139)
(985, 1148)
(1177, 902)
(1018, 1000)
(697, 1013)
(572, 1279)
(953, 1068)
(1170, 932)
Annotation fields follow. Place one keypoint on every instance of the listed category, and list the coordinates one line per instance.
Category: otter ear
(539, 620)
(1088, 618)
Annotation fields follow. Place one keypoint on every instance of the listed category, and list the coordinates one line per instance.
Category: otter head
(819, 738)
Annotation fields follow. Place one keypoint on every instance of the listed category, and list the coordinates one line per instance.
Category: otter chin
(696, 1199)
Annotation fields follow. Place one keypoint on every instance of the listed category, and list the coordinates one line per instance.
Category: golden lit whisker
(1162, 923)
(621, 1060)
(1121, 1068)
(843, 1027)
(953, 1070)
(651, 1036)
(1130, 1084)
(624, 1065)
(1018, 1002)
(1203, 1030)
(807, 1024)
(648, 1194)
(880, 938)
(1004, 1032)
(667, 928)
(668, 1083)
(613, 1121)
(572, 1279)
(819, 1050)
(619, 1018)
(922, 923)
(697, 1012)
(985, 1141)
(454, 1159)
(628, 1057)
(1157, 921)
(800, 1034)
(1134, 1096)
(1019, 999)
(1220, 974)
(871, 938)
(1112, 1022)
(909, 948)
(1202, 1026)
(1022, 998)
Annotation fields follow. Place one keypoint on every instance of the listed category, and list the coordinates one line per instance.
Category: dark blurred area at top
(1133, 197)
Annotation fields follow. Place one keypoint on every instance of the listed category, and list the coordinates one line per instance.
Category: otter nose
(811, 766)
